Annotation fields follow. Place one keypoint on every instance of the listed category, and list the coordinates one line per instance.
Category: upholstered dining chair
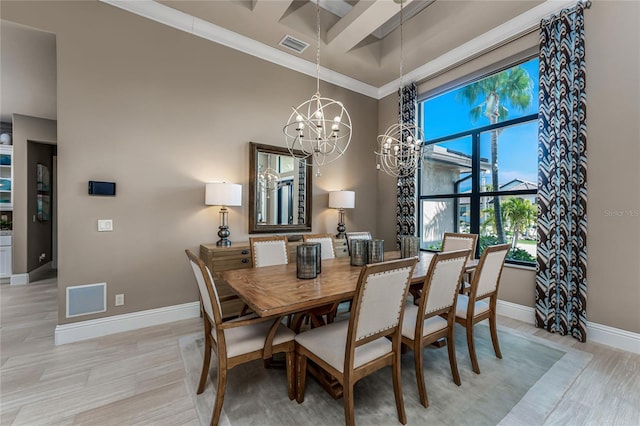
(326, 244)
(351, 350)
(267, 251)
(323, 314)
(480, 303)
(236, 341)
(434, 317)
(356, 235)
(459, 241)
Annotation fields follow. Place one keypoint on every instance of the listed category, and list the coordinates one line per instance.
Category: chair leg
(472, 349)
(453, 362)
(347, 395)
(494, 335)
(397, 388)
(290, 360)
(418, 361)
(205, 365)
(222, 384)
(301, 378)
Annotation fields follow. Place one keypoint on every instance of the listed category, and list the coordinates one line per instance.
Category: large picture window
(479, 166)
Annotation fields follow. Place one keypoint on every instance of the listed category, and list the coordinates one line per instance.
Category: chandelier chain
(318, 47)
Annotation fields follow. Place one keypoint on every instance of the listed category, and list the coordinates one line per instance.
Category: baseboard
(19, 279)
(77, 331)
(39, 272)
(599, 333)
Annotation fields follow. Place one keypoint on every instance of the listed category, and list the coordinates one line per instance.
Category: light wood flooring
(138, 377)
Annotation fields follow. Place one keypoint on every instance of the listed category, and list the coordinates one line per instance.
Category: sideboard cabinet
(238, 256)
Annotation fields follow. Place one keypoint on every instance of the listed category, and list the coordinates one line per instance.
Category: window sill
(515, 266)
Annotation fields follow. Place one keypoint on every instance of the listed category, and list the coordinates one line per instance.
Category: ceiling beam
(361, 21)
(270, 10)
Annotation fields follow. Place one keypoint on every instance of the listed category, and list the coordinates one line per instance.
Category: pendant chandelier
(399, 148)
(269, 178)
(319, 128)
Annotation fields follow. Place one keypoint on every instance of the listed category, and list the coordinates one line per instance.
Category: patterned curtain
(561, 280)
(406, 207)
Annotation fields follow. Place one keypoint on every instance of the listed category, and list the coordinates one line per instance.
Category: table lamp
(223, 195)
(342, 200)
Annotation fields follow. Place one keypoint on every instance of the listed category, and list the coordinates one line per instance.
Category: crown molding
(510, 30)
(492, 39)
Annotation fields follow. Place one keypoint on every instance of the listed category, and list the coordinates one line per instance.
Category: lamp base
(223, 233)
(341, 231)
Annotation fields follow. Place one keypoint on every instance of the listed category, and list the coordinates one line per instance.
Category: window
(479, 168)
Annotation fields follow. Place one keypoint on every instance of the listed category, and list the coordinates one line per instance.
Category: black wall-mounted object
(102, 188)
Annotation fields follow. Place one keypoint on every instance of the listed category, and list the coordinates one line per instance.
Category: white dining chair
(267, 251)
(473, 308)
(369, 341)
(434, 317)
(452, 241)
(237, 341)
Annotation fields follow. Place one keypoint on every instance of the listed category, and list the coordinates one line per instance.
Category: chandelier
(399, 148)
(319, 128)
(269, 178)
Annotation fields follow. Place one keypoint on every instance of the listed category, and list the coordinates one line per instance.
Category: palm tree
(520, 213)
(513, 85)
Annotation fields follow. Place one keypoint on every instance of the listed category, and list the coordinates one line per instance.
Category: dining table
(273, 291)
(276, 291)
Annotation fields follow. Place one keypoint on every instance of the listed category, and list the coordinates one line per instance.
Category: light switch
(105, 225)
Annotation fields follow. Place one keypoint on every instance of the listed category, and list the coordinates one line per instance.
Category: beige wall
(613, 107)
(160, 112)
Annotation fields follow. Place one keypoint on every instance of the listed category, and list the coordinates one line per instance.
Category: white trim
(515, 311)
(40, 271)
(496, 37)
(77, 331)
(598, 333)
(616, 337)
(19, 279)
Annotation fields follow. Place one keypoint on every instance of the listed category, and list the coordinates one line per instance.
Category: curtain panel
(406, 190)
(561, 279)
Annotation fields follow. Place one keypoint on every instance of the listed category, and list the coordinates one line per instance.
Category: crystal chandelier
(320, 127)
(399, 148)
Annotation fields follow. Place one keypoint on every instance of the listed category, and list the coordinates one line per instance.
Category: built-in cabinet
(238, 256)
(6, 209)
(6, 178)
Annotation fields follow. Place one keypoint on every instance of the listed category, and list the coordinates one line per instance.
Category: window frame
(476, 194)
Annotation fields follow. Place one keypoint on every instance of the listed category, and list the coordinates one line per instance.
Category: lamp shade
(342, 199)
(223, 194)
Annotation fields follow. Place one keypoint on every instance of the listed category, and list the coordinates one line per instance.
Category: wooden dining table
(273, 291)
(276, 291)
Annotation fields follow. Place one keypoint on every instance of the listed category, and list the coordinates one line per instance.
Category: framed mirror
(279, 190)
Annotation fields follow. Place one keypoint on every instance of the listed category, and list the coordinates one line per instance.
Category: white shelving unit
(6, 205)
(6, 178)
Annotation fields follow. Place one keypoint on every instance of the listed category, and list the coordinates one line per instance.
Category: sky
(445, 115)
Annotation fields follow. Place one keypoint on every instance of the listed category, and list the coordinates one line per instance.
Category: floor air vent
(86, 299)
(294, 44)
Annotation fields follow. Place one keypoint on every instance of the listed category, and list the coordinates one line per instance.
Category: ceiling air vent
(294, 44)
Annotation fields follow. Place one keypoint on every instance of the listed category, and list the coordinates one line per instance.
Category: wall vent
(294, 44)
(86, 299)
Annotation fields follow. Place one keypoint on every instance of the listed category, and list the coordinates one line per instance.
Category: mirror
(279, 190)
